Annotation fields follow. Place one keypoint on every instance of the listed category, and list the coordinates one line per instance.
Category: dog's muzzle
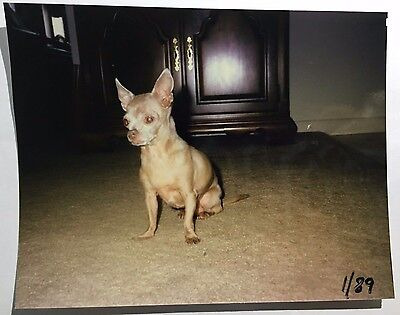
(133, 136)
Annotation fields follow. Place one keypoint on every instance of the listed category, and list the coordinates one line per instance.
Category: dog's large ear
(124, 95)
(163, 88)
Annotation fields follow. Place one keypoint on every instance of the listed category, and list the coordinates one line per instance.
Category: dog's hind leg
(210, 202)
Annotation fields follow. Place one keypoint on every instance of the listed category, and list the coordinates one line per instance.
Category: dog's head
(146, 113)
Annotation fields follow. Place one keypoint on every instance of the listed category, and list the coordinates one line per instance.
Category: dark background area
(231, 77)
(230, 69)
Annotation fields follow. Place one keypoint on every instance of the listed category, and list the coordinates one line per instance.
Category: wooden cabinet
(41, 69)
(230, 66)
(239, 77)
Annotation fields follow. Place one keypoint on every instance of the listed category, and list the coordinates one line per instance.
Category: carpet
(317, 212)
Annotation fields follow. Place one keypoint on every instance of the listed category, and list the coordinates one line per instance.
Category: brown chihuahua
(171, 169)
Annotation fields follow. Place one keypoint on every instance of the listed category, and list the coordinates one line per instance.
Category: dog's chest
(162, 171)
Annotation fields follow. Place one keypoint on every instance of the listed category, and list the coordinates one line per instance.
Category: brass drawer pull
(177, 58)
(189, 53)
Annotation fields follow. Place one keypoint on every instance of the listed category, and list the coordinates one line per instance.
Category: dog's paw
(203, 215)
(146, 235)
(181, 214)
(193, 239)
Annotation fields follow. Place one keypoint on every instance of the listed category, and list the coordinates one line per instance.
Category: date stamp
(359, 283)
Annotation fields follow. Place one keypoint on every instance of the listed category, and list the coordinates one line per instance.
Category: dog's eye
(125, 122)
(149, 119)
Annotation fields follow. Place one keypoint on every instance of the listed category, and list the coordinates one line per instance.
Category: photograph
(193, 156)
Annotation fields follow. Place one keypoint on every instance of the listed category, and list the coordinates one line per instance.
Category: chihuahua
(171, 169)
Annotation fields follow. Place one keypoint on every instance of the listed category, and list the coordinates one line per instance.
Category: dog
(170, 169)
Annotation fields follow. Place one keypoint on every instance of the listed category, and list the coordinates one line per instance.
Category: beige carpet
(317, 212)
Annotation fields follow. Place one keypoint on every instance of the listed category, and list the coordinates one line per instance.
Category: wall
(337, 71)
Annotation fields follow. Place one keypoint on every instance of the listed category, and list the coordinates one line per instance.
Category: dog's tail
(234, 199)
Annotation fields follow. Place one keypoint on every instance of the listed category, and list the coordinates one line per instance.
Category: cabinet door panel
(227, 50)
(140, 47)
(232, 68)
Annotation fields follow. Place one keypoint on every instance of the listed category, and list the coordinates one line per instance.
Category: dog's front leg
(190, 208)
(152, 207)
